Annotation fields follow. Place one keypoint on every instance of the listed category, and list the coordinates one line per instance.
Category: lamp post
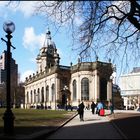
(65, 94)
(112, 94)
(8, 117)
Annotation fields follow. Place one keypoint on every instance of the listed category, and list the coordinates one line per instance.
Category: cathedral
(56, 85)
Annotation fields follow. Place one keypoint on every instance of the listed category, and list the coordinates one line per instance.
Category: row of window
(84, 89)
(39, 96)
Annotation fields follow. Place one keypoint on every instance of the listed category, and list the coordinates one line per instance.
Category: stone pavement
(93, 127)
(127, 122)
(117, 126)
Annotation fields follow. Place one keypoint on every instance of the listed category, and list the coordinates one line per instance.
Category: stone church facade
(55, 84)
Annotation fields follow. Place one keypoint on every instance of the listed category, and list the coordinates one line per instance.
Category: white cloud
(26, 7)
(78, 20)
(3, 3)
(3, 12)
(32, 41)
(26, 74)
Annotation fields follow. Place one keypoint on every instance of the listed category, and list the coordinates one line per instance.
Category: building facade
(55, 84)
(130, 89)
(3, 78)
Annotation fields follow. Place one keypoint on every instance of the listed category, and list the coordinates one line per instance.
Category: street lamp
(8, 117)
(112, 93)
(65, 95)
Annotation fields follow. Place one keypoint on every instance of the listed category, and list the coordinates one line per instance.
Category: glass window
(38, 94)
(34, 96)
(47, 93)
(53, 92)
(74, 90)
(42, 94)
(27, 97)
(85, 89)
(31, 95)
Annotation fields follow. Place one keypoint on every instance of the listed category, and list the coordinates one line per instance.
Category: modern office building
(130, 88)
(54, 84)
(14, 74)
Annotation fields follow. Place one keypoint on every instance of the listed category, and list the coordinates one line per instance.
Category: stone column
(127, 104)
(71, 89)
(50, 92)
(57, 89)
(138, 101)
(26, 98)
(30, 96)
(33, 96)
(57, 83)
(36, 95)
(97, 86)
(109, 90)
(44, 84)
(78, 89)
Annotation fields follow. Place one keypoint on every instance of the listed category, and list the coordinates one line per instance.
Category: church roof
(135, 70)
(48, 41)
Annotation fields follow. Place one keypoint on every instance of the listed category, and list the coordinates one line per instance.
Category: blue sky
(29, 35)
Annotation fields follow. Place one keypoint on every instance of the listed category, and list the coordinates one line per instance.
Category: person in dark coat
(81, 107)
(93, 105)
(111, 107)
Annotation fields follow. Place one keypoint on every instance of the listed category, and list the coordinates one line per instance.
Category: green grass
(33, 117)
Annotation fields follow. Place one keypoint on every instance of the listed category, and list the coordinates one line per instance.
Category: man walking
(93, 105)
(81, 107)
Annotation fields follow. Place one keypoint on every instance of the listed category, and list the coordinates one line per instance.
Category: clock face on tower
(50, 51)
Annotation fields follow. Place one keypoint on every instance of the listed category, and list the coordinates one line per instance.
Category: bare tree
(98, 26)
(106, 26)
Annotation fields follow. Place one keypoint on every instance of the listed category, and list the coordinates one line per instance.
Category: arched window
(103, 89)
(27, 96)
(42, 95)
(31, 97)
(38, 95)
(34, 96)
(47, 93)
(53, 92)
(85, 89)
(74, 90)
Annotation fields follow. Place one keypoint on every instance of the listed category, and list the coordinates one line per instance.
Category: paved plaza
(121, 125)
(93, 127)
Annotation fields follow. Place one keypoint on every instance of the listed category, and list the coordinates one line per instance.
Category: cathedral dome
(48, 41)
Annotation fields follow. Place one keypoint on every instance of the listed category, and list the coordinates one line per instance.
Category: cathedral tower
(48, 55)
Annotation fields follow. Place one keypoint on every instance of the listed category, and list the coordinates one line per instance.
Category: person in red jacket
(99, 107)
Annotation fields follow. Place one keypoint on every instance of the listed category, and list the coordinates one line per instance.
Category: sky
(29, 36)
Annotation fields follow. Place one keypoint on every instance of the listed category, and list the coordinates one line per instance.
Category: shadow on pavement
(27, 132)
(96, 130)
(128, 124)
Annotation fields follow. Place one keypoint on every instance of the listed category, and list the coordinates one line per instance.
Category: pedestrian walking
(81, 107)
(99, 107)
(93, 105)
(111, 107)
